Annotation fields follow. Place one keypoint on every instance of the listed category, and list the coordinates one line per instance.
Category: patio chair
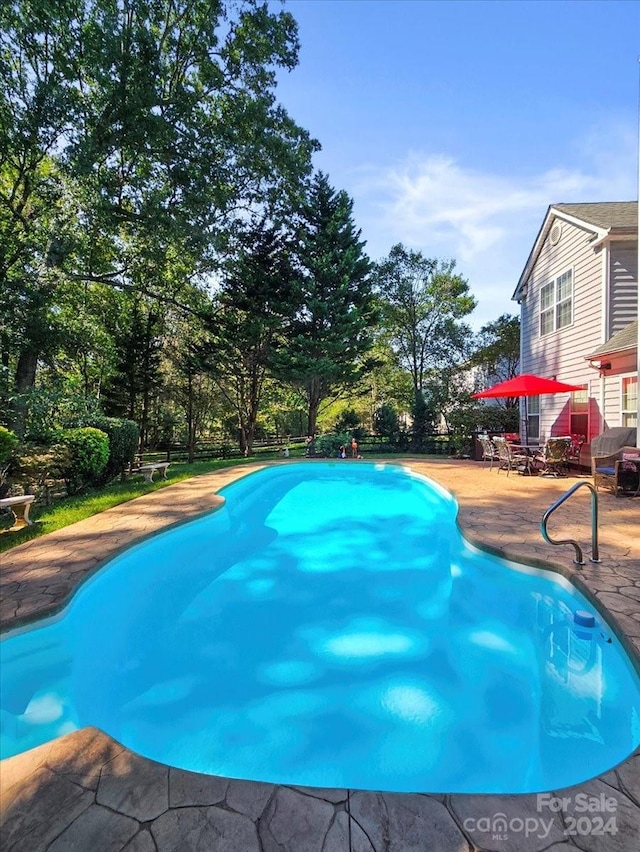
(555, 457)
(489, 452)
(509, 459)
(576, 445)
(619, 472)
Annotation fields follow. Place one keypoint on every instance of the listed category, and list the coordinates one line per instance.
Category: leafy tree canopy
(497, 353)
(134, 137)
(423, 301)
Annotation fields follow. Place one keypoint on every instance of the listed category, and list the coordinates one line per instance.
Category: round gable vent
(556, 232)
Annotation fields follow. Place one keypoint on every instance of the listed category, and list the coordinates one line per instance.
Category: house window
(630, 401)
(580, 412)
(556, 303)
(533, 418)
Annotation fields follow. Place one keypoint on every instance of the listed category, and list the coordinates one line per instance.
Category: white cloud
(487, 220)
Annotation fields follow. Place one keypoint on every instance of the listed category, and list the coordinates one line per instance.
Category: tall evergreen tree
(330, 327)
(190, 353)
(137, 375)
(254, 301)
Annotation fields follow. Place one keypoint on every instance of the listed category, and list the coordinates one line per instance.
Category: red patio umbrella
(526, 385)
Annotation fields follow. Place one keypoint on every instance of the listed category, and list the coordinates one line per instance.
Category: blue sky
(453, 125)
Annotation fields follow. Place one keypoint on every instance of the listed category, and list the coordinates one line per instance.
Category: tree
(386, 382)
(423, 301)
(330, 327)
(191, 384)
(386, 423)
(497, 353)
(138, 340)
(32, 231)
(496, 356)
(253, 303)
(133, 134)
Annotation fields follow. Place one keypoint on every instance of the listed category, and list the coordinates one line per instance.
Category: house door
(580, 413)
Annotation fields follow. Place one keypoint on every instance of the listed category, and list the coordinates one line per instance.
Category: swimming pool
(329, 627)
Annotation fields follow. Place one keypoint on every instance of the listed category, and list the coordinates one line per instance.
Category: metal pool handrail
(595, 554)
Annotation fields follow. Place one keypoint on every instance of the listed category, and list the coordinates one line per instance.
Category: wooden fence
(436, 444)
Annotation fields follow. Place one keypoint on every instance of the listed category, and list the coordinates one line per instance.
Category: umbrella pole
(525, 424)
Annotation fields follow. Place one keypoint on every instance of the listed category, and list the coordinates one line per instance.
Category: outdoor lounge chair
(606, 450)
(509, 459)
(619, 472)
(555, 457)
(612, 440)
(489, 452)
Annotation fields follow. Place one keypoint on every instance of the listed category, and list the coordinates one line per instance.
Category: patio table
(530, 451)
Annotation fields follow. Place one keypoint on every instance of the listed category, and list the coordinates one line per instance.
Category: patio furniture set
(549, 459)
(613, 466)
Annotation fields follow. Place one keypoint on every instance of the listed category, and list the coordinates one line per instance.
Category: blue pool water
(329, 627)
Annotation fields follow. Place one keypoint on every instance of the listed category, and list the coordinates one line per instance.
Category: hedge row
(85, 456)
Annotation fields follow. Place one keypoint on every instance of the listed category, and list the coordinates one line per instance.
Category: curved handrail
(595, 554)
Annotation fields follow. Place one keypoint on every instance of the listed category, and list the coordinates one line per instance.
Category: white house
(578, 296)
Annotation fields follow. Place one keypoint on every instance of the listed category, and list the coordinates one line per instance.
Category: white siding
(624, 285)
(621, 365)
(611, 402)
(562, 353)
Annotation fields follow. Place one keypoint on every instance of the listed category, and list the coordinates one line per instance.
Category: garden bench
(150, 469)
(19, 509)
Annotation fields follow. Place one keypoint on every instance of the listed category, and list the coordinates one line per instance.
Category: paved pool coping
(87, 792)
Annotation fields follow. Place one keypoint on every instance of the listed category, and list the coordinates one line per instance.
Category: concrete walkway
(86, 792)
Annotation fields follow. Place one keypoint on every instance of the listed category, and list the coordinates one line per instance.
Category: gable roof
(612, 215)
(625, 339)
(602, 218)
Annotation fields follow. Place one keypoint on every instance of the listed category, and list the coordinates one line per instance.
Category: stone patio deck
(86, 792)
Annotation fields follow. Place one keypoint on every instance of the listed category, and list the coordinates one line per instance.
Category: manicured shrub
(83, 457)
(123, 443)
(8, 443)
(328, 446)
(349, 421)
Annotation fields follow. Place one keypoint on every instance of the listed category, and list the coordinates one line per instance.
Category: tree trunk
(191, 432)
(146, 382)
(25, 378)
(4, 360)
(249, 435)
(314, 397)
(244, 439)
